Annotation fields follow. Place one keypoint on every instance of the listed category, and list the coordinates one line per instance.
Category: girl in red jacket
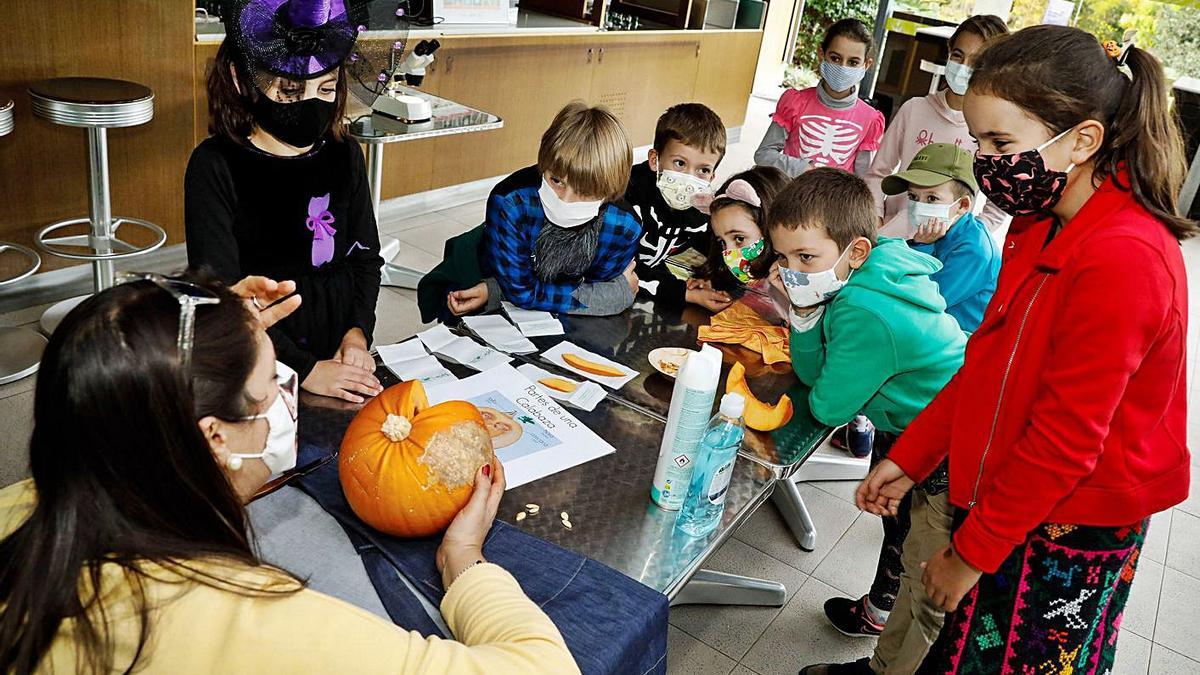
(1066, 425)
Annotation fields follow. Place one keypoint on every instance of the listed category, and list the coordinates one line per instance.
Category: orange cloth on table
(740, 325)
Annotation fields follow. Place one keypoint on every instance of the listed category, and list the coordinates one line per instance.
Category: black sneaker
(851, 618)
(859, 667)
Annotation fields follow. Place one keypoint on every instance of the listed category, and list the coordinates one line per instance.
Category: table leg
(395, 275)
(375, 173)
(708, 587)
(787, 499)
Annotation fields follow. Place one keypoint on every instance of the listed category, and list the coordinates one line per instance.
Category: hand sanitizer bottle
(705, 501)
(691, 406)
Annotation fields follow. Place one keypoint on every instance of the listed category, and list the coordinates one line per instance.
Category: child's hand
(353, 351)
(470, 300)
(931, 230)
(712, 300)
(632, 277)
(694, 283)
(948, 578)
(881, 491)
(776, 279)
(336, 379)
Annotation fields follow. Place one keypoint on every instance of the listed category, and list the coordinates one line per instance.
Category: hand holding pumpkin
(462, 544)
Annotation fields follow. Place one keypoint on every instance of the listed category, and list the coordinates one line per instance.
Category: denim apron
(611, 623)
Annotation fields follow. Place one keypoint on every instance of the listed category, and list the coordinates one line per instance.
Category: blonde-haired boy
(557, 236)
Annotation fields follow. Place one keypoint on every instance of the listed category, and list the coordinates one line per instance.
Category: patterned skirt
(1054, 606)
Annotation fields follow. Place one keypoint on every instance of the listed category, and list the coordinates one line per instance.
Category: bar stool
(97, 105)
(20, 348)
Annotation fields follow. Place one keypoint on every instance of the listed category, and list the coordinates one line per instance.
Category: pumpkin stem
(396, 428)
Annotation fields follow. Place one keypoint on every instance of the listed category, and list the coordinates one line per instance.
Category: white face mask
(958, 76)
(808, 289)
(566, 214)
(679, 188)
(920, 213)
(279, 454)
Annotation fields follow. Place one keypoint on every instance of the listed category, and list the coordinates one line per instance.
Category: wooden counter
(523, 78)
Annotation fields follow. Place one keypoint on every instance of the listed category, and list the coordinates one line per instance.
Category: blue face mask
(841, 78)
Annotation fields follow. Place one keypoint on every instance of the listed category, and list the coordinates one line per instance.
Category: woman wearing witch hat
(280, 190)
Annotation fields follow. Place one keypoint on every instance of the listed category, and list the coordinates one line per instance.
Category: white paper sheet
(459, 349)
(533, 435)
(500, 334)
(555, 356)
(585, 397)
(436, 337)
(409, 361)
(531, 322)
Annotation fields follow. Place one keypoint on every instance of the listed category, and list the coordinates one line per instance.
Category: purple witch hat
(296, 39)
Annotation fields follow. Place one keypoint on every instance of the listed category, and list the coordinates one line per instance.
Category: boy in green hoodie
(870, 334)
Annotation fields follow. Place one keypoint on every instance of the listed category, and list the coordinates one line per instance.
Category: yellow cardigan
(196, 628)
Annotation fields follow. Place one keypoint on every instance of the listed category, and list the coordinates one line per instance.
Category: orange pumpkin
(407, 468)
(759, 416)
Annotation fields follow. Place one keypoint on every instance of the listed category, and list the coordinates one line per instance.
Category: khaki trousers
(914, 623)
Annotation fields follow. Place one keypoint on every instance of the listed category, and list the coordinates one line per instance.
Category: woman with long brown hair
(1066, 426)
(280, 190)
(130, 550)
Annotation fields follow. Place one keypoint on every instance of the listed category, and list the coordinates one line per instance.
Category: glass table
(628, 339)
(608, 498)
(376, 131)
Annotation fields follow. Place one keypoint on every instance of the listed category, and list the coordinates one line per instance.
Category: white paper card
(436, 337)
(409, 361)
(499, 333)
(471, 354)
(532, 322)
(557, 353)
(533, 435)
(585, 397)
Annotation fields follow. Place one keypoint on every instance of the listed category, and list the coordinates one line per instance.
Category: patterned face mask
(1019, 183)
(678, 189)
(738, 259)
(807, 289)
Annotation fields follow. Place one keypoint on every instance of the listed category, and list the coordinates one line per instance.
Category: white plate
(668, 360)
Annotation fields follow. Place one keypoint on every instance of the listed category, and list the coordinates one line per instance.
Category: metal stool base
(20, 353)
(59, 310)
(99, 244)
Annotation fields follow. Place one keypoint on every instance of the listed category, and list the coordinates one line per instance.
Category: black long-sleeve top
(306, 218)
(665, 232)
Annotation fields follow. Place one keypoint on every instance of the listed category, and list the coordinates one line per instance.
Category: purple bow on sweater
(320, 223)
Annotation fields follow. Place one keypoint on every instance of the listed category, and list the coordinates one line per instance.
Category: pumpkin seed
(567, 524)
(520, 516)
(564, 516)
(533, 509)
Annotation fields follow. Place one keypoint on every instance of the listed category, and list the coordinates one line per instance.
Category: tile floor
(1162, 626)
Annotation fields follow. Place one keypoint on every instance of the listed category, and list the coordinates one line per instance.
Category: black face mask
(298, 124)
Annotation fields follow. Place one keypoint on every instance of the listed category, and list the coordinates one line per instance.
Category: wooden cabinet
(524, 82)
(639, 80)
(725, 73)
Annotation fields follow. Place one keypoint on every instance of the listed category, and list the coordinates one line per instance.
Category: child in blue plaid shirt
(557, 236)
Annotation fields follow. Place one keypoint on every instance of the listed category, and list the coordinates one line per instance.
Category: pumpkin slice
(758, 416)
(558, 384)
(576, 361)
